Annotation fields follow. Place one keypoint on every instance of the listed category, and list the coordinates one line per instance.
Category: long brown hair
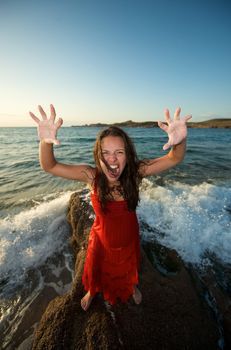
(129, 179)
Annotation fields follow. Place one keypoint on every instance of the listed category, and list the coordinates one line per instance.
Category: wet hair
(129, 179)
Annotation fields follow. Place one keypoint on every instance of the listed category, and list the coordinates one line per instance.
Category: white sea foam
(193, 220)
(30, 237)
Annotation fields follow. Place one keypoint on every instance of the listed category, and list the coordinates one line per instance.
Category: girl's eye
(116, 153)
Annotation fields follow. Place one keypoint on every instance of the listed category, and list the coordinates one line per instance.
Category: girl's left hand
(176, 128)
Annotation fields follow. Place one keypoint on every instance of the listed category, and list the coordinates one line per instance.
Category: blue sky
(107, 61)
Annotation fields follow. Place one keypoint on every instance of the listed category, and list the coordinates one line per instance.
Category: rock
(172, 315)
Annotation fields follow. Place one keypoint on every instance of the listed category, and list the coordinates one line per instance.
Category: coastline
(212, 123)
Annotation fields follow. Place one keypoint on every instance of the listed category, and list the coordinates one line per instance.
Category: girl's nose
(113, 157)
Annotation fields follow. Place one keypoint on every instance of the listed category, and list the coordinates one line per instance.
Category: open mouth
(113, 167)
(113, 170)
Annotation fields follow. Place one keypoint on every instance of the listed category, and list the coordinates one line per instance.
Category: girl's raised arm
(176, 129)
(47, 132)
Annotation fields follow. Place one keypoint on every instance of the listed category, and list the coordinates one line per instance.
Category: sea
(187, 208)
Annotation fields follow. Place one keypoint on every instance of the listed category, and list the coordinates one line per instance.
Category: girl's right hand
(47, 128)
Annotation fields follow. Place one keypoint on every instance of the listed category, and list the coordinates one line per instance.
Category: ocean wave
(195, 220)
(30, 237)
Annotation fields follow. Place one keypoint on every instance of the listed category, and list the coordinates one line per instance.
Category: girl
(112, 259)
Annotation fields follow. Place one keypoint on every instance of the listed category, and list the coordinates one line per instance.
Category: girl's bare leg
(137, 296)
(86, 301)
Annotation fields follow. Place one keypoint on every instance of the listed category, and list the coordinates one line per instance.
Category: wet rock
(172, 315)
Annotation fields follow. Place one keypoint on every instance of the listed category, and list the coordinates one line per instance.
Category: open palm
(47, 128)
(176, 128)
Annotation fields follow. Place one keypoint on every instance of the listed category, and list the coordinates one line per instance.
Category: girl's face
(114, 155)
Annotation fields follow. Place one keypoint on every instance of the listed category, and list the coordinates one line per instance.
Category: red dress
(113, 253)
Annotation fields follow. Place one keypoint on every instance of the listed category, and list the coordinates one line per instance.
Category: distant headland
(212, 123)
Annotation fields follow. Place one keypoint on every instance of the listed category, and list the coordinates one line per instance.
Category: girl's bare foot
(86, 301)
(137, 296)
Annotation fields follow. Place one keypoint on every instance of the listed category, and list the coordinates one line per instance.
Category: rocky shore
(212, 123)
(180, 309)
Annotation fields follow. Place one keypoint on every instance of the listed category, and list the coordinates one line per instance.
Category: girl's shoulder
(92, 185)
(90, 174)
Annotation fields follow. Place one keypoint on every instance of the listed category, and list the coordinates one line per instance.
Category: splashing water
(193, 220)
(30, 237)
